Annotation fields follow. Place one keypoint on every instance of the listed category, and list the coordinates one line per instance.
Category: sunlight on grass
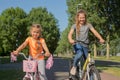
(112, 58)
(115, 70)
(112, 70)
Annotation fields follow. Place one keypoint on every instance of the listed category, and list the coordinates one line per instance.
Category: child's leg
(77, 57)
(78, 54)
(41, 69)
(85, 49)
(75, 61)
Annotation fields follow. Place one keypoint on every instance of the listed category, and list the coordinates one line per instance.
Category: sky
(57, 7)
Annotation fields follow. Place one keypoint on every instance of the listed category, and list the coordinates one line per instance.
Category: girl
(81, 27)
(36, 46)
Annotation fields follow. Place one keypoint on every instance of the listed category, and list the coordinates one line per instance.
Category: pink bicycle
(30, 66)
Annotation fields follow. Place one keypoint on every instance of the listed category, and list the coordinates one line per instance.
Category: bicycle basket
(29, 66)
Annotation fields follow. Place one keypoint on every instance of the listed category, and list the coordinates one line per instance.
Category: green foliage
(63, 44)
(13, 28)
(110, 10)
(115, 46)
(103, 16)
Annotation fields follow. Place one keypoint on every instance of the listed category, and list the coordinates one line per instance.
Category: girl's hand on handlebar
(102, 41)
(47, 54)
(72, 41)
(15, 53)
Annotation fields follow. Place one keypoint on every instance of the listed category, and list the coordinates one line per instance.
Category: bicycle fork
(86, 67)
(91, 62)
(28, 76)
(87, 72)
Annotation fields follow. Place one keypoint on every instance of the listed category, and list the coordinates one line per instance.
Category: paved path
(107, 76)
(60, 69)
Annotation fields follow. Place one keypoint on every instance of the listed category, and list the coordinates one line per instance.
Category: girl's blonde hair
(77, 22)
(38, 26)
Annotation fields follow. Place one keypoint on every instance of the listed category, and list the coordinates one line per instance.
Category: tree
(13, 27)
(50, 30)
(110, 10)
(63, 44)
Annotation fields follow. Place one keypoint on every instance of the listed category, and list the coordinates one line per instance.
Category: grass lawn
(111, 58)
(109, 66)
(112, 70)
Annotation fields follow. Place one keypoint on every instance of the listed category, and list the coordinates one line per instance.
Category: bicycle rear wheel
(93, 74)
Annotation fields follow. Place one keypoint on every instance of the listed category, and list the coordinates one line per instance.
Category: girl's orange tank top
(35, 48)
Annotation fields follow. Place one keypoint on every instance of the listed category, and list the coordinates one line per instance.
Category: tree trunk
(108, 47)
(95, 50)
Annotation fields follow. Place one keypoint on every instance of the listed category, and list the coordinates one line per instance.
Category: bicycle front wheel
(28, 78)
(93, 74)
(25, 78)
(37, 76)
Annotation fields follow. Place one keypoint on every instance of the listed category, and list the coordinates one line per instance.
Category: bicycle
(30, 66)
(85, 68)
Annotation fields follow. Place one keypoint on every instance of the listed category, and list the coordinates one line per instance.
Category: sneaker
(73, 71)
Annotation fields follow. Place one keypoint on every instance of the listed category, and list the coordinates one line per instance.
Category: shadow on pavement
(60, 69)
(102, 63)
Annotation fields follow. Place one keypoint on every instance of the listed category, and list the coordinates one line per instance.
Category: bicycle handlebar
(81, 42)
(42, 54)
(23, 55)
(88, 43)
(13, 57)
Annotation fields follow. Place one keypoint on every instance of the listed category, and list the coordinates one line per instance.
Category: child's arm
(97, 35)
(22, 46)
(47, 52)
(70, 39)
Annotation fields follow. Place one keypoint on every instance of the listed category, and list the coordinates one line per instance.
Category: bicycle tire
(25, 78)
(79, 71)
(93, 74)
(37, 76)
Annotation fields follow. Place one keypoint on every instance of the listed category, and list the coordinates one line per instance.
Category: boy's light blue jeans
(79, 51)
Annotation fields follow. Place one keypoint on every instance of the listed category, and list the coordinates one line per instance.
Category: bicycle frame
(86, 65)
(86, 62)
(29, 74)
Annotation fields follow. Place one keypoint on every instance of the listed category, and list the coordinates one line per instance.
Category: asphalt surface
(60, 69)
